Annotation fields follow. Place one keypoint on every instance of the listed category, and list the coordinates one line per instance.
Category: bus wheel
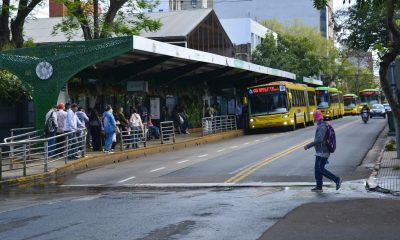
(294, 126)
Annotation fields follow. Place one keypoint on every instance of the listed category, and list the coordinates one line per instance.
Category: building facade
(246, 34)
(283, 11)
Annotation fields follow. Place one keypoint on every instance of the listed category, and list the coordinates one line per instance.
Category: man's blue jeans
(321, 172)
(51, 143)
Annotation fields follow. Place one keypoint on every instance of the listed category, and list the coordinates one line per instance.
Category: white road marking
(246, 143)
(221, 150)
(204, 155)
(126, 179)
(158, 169)
(234, 147)
(257, 140)
(240, 169)
(182, 161)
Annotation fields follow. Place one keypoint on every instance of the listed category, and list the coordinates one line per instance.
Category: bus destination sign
(267, 89)
(369, 93)
(348, 97)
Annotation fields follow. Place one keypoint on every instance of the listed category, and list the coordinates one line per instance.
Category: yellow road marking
(254, 167)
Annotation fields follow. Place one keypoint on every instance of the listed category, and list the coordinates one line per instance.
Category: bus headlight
(327, 112)
(285, 116)
(252, 120)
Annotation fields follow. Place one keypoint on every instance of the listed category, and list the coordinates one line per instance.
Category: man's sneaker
(317, 190)
(338, 184)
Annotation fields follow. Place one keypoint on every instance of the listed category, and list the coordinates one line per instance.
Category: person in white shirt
(71, 126)
(136, 125)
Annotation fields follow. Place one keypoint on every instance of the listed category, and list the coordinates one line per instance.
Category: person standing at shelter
(136, 124)
(61, 116)
(71, 126)
(83, 120)
(109, 128)
(322, 154)
(50, 129)
(123, 124)
(96, 128)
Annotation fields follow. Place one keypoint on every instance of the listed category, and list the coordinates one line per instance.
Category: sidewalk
(386, 174)
(97, 159)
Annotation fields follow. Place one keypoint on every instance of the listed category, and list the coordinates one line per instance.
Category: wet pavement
(213, 213)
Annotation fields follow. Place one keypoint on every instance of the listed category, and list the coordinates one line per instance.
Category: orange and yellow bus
(280, 104)
(330, 102)
(369, 97)
(351, 104)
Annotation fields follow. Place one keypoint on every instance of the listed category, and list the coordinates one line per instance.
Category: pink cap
(318, 115)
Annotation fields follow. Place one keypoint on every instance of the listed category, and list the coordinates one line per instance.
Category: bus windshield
(268, 103)
(369, 98)
(349, 102)
(322, 99)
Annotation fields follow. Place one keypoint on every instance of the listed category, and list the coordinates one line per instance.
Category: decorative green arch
(58, 63)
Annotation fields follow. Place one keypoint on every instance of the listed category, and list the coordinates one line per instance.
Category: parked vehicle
(387, 107)
(378, 110)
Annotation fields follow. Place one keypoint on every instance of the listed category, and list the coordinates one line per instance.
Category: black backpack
(50, 125)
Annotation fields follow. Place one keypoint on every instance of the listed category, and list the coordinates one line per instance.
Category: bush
(391, 146)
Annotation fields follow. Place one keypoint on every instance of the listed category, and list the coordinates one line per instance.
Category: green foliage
(363, 27)
(298, 49)
(11, 88)
(192, 105)
(120, 18)
(391, 146)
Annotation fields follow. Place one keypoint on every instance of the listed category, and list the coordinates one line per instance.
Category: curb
(371, 184)
(92, 162)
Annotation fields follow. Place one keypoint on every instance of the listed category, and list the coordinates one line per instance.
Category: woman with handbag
(109, 128)
(136, 125)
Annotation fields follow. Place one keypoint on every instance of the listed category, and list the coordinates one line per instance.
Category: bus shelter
(47, 68)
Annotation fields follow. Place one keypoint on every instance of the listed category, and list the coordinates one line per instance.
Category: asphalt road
(118, 209)
(267, 157)
(213, 213)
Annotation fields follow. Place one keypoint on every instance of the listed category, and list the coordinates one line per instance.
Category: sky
(43, 12)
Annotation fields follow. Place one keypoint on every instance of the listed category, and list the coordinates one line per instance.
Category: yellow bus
(329, 102)
(341, 104)
(351, 104)
(369, 97)
(280, 104)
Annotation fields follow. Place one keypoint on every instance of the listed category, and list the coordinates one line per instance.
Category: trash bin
(391, 122)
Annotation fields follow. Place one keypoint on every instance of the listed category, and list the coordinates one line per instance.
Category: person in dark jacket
(322, 154)
(96, 128)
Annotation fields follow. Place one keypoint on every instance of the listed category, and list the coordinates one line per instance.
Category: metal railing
(36, 134)
(167, 130)
(15, 131)
(132, 137)
(211, 125)
(40, 152)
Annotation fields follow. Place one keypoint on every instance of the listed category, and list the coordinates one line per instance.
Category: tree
(383, 38)
(11, 88)
(121, 17)
(298, 49)
(12, 19)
